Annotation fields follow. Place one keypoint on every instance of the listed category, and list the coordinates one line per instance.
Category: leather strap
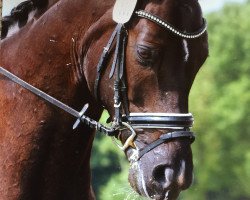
(103, 61)
(164, 138)
(118, 67)
(110, 131)
(160, 120)
(122, 75)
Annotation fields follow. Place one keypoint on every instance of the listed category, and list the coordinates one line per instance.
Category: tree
(220, 99)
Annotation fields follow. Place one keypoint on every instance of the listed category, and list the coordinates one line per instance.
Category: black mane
(20, 13)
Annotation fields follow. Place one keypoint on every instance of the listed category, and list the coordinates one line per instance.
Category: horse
(139, 65)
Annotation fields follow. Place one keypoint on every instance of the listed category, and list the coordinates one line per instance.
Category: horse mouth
(155, 192)
(166, 195)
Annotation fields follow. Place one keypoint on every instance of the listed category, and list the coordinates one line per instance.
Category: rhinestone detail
(153, 18)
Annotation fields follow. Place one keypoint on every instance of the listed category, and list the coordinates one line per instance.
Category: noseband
(178, 123)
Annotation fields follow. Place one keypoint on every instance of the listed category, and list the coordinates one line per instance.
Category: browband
(171, 28)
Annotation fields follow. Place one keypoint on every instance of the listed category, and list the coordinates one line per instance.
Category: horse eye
(145, 55)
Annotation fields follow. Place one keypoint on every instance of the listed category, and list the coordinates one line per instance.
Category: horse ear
(123, 10)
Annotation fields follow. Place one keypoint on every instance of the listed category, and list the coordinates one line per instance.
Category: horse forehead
(171, 8)
(182, 14)
(148, 32)
(164, 9)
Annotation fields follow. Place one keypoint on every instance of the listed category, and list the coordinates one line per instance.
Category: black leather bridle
(179, 124)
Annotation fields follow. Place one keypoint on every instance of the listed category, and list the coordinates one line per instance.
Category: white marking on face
(185, 46)
(141, 177)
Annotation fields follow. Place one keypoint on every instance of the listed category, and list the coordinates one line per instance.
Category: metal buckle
(130, 141)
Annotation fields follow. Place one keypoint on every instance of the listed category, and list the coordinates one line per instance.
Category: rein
(178, 123)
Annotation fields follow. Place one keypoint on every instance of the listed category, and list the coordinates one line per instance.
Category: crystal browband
(171, 28)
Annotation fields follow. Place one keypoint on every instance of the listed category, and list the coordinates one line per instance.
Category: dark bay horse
(56, 46)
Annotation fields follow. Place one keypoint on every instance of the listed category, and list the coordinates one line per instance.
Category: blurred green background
(220, 102)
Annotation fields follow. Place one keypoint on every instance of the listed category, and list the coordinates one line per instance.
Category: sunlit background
(207, 5)
(220, 101)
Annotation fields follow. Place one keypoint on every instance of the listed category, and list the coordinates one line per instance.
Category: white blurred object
(207, 5)
(8, 5)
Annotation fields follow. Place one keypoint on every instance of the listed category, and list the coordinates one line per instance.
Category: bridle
(178, 123)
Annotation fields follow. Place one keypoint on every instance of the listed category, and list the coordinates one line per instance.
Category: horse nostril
(163, 175)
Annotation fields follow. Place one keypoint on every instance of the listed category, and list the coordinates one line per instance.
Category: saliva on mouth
(157, 197)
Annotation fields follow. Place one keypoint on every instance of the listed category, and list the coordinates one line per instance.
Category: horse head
(142, 76)
(155, 60)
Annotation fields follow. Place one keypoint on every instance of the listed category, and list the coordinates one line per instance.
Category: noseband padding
(160, 120)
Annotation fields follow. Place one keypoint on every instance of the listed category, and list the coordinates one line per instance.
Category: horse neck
(61, 25)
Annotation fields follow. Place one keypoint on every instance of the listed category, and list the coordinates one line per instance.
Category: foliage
(220, 101)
